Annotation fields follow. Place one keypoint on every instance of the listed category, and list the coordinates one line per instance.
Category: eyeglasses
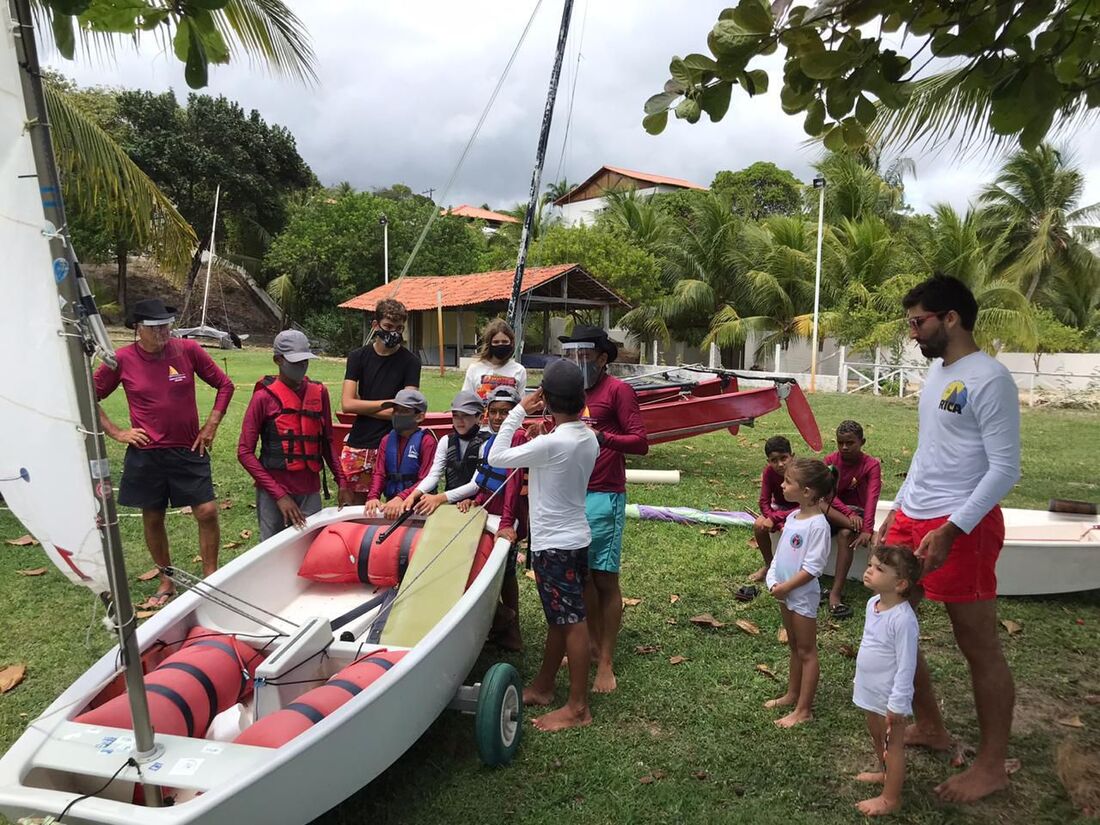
(917, 321)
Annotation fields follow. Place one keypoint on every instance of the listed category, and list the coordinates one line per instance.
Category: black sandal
(746, 593)
(840, 611)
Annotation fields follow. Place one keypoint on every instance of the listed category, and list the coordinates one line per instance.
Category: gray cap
(413, 399)
(509, 394)
(293, 345)
(563, 378)
(468, 402)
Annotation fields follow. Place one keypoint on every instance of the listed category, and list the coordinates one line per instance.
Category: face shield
(585, 355)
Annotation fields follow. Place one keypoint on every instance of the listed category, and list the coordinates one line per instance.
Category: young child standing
(456, 458)
(858, 486)
(792, 577)
(885, 667)
(561, 464)
(495, 366)
(405, 455)
(774, 508)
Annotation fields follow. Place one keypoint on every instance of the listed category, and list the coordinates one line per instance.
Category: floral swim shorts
(560, 576)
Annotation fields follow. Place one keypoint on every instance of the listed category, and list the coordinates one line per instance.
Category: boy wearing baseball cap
(405, 455)
(456, 458)
(291, 417)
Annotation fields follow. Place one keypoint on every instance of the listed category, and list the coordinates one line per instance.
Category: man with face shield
(611, 410)
(292, 418)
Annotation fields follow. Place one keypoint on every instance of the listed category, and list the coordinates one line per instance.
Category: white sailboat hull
(238, 783)
(1044, 553)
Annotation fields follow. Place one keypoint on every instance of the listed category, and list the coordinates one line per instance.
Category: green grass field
(676, 743)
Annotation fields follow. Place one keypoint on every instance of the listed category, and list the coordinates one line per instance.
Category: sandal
(840, 611)
(746, 593)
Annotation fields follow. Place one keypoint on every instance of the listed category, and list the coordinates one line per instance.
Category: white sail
(44, 475)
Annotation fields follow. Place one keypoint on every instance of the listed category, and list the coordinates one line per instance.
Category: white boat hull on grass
(1044, 553)
(56, 758)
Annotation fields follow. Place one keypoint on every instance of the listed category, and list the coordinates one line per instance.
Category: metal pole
(79, 308)
(210, 255)
(817, 282)
(385, 248)
(536, 180)
(439, 321)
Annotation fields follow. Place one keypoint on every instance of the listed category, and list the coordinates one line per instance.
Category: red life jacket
(293, 439)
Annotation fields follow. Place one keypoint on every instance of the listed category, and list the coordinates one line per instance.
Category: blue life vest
(489, 478)
(400, 475)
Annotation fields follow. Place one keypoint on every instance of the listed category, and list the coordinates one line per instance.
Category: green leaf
(753, 17)
(73, 7)
(681, 73)
(195, 69)
(865, 111)
(815, 118)
(1067, 69)
(181, 41)
(794, 101)
(63, 35)
(728, 37)
(840, 96)
(655, 123)
(715, 100)
(660, 102)
(700, 63)
(824, 65)
(153, 18)
(214, 45)
(755, 82)
(834, 138)
(689, 110)
(854, 135)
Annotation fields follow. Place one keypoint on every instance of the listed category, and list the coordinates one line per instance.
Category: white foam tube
(653, 476)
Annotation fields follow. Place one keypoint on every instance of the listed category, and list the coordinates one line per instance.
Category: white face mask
(584, 355)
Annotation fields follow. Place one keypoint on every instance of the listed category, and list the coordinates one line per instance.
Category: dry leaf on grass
(1012, 766)
(11, 675)
(673, 598)
(670, 620)
(706, 620)
(1079, 621)
(677, 660)
(196, 560)
(148, 575)
(781, 636)
(748, 627)
(700, 775)
(630, 602)
(642, 650)
(1012, 627)
(34, 571)
(227, 504)
(185, 511)
(22, 541)
(752, 542)
(847, 651)
(1093, 699)
(1079, 771)
(145, 614)
(1071, 722)
(712, 531)
(767, 671)
(246, 534)
(231, 545)
(152, 603)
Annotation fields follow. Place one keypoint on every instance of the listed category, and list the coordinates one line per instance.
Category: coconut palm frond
(646, 323)
(1007, 326)
(728, 329)
(269, 32)
(100, 177)
(284, 292)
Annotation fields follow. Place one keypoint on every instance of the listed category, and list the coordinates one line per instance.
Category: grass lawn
(696, 732)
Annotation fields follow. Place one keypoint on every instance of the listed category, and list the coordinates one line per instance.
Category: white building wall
(585, 211)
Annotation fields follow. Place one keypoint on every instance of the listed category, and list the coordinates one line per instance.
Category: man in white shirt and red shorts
(967, 459)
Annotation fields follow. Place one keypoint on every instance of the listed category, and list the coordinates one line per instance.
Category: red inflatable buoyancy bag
(190, 687)
(283, 725)
(484, 550)
(349, 552)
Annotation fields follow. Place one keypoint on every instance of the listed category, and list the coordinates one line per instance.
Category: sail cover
(44, 473)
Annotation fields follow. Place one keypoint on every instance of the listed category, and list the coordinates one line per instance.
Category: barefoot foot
(534, 696)
(759, 575)
(605, 681)
(795, 717)
(563, 718)
(784, 701)
(936, 739)
(875, 777)
(973, 784)
(879, 806)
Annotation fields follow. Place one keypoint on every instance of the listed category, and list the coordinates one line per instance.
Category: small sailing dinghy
(274, 688)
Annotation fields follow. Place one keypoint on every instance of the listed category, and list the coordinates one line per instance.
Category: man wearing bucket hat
(291, 416)
(167, 454)
(611, 409)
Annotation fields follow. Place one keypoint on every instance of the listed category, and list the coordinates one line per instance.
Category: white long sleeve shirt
(561, 463)
(887, 659)
(430, 482)
(968, 442)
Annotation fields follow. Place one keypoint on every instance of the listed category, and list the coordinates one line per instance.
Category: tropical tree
(856, 189)
(760, 191)
(638, 219)
(560, 189)
(627, 268)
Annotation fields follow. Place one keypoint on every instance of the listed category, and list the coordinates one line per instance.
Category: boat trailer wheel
(498, 721)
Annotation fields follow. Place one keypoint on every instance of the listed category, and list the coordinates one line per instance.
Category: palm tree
(559, 189)
(1033, 207)
(638, 219)
(857, 188)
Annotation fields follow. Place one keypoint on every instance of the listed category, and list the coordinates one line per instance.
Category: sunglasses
(917, 321)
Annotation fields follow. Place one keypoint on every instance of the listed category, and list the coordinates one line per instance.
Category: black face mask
(501, 352)
(404, 421)
(390, 338)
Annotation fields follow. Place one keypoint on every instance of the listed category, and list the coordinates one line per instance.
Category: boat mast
(86, 334)
(514, 315)
(210, 255)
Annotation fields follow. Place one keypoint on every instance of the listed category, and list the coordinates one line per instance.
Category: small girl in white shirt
(495, 366)
(798, 561)
(885, 667)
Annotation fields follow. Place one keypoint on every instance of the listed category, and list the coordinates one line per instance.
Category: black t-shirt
(379, 378)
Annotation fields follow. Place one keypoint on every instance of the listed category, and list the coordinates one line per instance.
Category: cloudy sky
(402, 84)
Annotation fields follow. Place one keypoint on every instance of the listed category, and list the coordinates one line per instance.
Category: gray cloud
(402, 85)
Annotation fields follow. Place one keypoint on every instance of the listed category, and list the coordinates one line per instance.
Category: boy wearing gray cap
(291, 417)
(561, 463)
(405, 455)
(456, 458)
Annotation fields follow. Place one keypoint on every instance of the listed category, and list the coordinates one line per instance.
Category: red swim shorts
(970, 572)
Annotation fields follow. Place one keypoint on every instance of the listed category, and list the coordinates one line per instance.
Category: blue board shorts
(606, 517)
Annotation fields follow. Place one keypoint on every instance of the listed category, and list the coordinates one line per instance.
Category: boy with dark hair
(405, 455)
(375, 373)
(774, 508)
(292, 418)
(561, 463)
(456, 458)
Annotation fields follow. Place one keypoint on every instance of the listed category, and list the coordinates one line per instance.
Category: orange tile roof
(467, 211)
(630, 173)
(419, 292)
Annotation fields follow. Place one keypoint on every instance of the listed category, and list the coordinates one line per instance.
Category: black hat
(563, 379)
(150, 309)
(592, 335)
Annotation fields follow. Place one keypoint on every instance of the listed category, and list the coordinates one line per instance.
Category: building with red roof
(581, 203)
(493, 220)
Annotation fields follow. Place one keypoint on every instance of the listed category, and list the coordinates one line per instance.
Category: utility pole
(385, 224)
(819, 183)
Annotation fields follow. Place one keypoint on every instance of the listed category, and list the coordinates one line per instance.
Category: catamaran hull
(1044, 553)
(292, 784)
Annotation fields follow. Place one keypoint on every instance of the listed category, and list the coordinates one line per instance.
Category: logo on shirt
(796, 541)
(175, 375)
(954, 398)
